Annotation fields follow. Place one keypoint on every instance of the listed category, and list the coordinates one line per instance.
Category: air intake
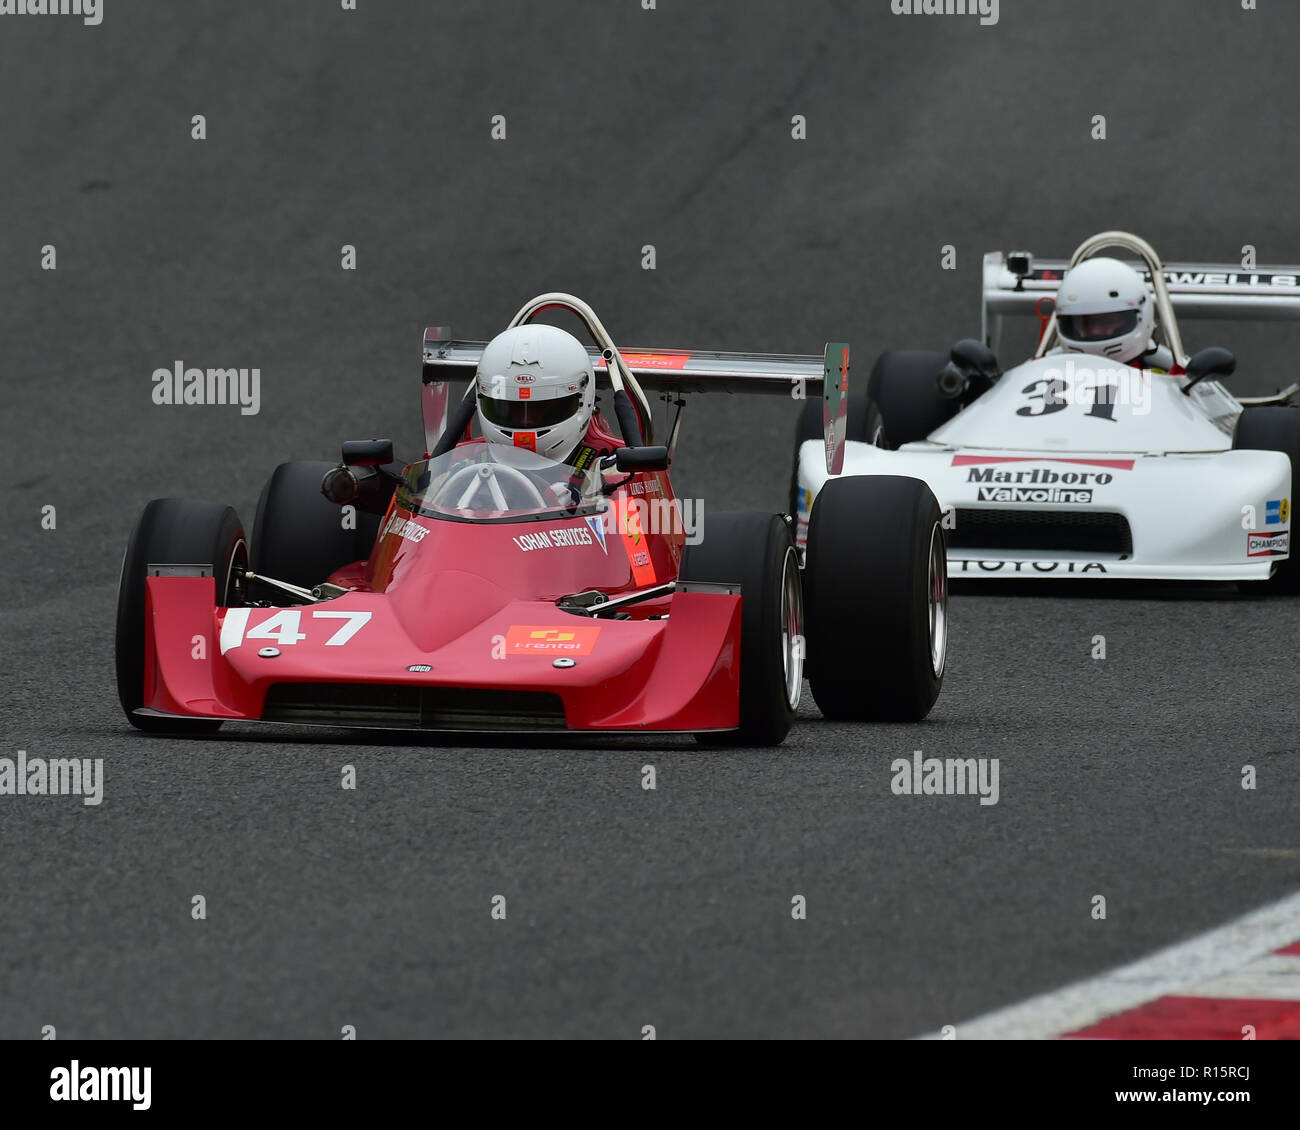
(1048, 531)
(410, 707)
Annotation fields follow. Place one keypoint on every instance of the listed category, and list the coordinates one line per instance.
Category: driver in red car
(537, 390)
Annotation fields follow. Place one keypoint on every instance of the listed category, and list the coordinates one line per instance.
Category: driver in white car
(1104, 308)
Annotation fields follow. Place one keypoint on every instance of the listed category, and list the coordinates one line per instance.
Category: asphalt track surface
(1119, 777)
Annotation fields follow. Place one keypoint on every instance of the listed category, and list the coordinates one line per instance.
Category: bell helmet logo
(420, 667)
(525, 379)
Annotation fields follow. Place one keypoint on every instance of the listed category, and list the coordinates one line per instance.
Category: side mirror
(974, 357)
(641, 458)
(1213, 362)
(367, 452)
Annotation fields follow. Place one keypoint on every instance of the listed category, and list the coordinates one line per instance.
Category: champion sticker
(1268, 545)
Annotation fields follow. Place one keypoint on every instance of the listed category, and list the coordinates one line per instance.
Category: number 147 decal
(283, 627)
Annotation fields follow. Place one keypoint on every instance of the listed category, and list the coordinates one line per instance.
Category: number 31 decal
(1054, 397)
(282, 628)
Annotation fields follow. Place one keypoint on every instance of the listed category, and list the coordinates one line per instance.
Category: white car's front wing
(1217, 516)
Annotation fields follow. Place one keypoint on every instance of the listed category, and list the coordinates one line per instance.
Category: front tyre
(876, 586)
(1273, 428)
(173, 531)
(757, 552)
(300, 536)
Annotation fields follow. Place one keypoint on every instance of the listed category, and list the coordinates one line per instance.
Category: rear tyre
(756, 551)
(876, 586)
(298, 534)
(809, 426)
(905, 405)
(172, 531)
(1265, 428)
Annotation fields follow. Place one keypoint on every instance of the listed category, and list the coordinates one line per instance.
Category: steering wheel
(479, 476)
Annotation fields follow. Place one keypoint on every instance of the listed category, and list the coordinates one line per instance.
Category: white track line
(1209, 957)
(1272, 978)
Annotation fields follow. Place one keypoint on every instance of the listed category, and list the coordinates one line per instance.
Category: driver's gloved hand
(563, 494)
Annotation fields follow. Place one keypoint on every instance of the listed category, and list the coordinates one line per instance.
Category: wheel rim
(792, 636)
(937, 600)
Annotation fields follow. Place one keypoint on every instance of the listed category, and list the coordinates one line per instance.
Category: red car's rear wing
(672, 371)
(660, 370)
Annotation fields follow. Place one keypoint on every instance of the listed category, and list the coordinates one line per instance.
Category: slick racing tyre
(903, 393)
(876, 586)
(756, 551)
(299, 536)
(1273, 428)
(809, 426)
(173, 531)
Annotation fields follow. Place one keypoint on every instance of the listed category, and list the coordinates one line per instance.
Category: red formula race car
(487, 587)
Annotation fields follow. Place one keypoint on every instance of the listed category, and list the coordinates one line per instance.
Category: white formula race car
(1069, 465)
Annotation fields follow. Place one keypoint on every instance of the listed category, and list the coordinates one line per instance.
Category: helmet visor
(1097, 327)
(529, 415)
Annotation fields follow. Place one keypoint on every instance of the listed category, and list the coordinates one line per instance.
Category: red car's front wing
(349, 662)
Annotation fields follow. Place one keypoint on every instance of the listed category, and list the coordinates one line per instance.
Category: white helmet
(1104, 307)
(536, 389)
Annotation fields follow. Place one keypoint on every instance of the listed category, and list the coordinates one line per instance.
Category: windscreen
(486, 482)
